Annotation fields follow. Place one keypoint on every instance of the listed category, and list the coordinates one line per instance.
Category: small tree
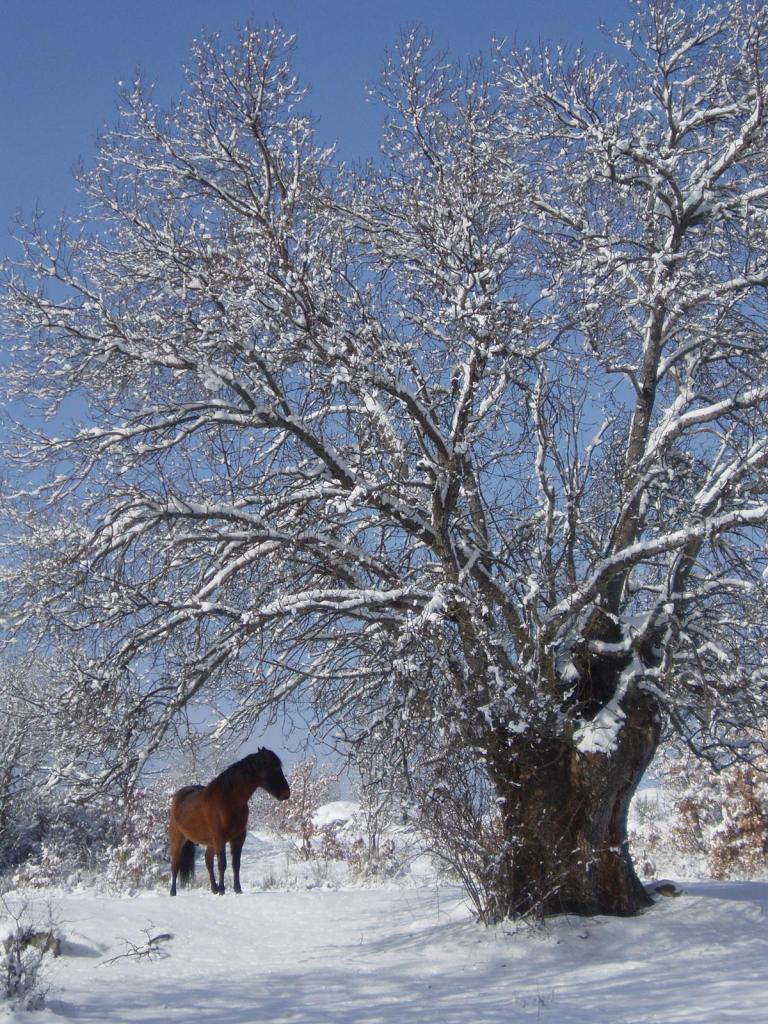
(383, 794)
(312, 785)
(25, 757)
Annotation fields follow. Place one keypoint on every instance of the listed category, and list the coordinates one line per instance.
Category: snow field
(396, 955)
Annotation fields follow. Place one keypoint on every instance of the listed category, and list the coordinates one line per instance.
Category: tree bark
(565, 821)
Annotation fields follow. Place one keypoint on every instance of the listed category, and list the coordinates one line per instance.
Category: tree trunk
(565, 822)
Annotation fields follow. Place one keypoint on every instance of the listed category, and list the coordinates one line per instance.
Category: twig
(149, 950)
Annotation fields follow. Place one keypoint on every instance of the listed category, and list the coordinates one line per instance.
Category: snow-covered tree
(23, 746)
(312, 785)
(467, 448)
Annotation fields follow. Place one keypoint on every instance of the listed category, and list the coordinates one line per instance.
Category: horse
(217, 814)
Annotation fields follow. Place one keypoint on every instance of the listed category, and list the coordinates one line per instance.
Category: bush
(121, 841)
(740, 842)
(23, 953)
(460, 821)
(708, 823)
(312, 785)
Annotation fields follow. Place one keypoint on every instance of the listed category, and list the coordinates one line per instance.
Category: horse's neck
(243, 788)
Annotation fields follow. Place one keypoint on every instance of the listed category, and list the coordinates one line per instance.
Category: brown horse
(217, 814)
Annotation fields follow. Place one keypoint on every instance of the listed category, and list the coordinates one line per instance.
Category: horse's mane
(244, 766)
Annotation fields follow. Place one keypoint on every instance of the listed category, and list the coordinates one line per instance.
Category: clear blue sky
(60, 61)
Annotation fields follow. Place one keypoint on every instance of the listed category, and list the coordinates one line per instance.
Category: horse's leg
(236, 846)
(176, 840)
(209, 865)
(174, 871)
(221, 857)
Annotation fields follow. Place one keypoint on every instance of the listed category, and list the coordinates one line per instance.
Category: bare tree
(467, 449)
(312, 785)
(24, 756)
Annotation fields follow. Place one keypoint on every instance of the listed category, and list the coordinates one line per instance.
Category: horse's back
(185, 791)
(185, 808)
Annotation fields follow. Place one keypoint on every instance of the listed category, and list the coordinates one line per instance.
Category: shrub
(710, 823)
(312, 785)
(739, 843)
(121, 841)
(23, 953)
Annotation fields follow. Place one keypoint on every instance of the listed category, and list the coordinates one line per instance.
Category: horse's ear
(260, 750)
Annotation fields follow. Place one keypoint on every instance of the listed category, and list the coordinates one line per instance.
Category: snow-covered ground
(321, 954)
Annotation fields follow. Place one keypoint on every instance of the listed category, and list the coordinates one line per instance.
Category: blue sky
(60, 61)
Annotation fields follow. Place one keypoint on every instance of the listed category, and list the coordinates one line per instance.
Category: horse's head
(272, 778)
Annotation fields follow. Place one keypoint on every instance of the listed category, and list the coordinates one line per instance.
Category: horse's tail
(187, 864)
